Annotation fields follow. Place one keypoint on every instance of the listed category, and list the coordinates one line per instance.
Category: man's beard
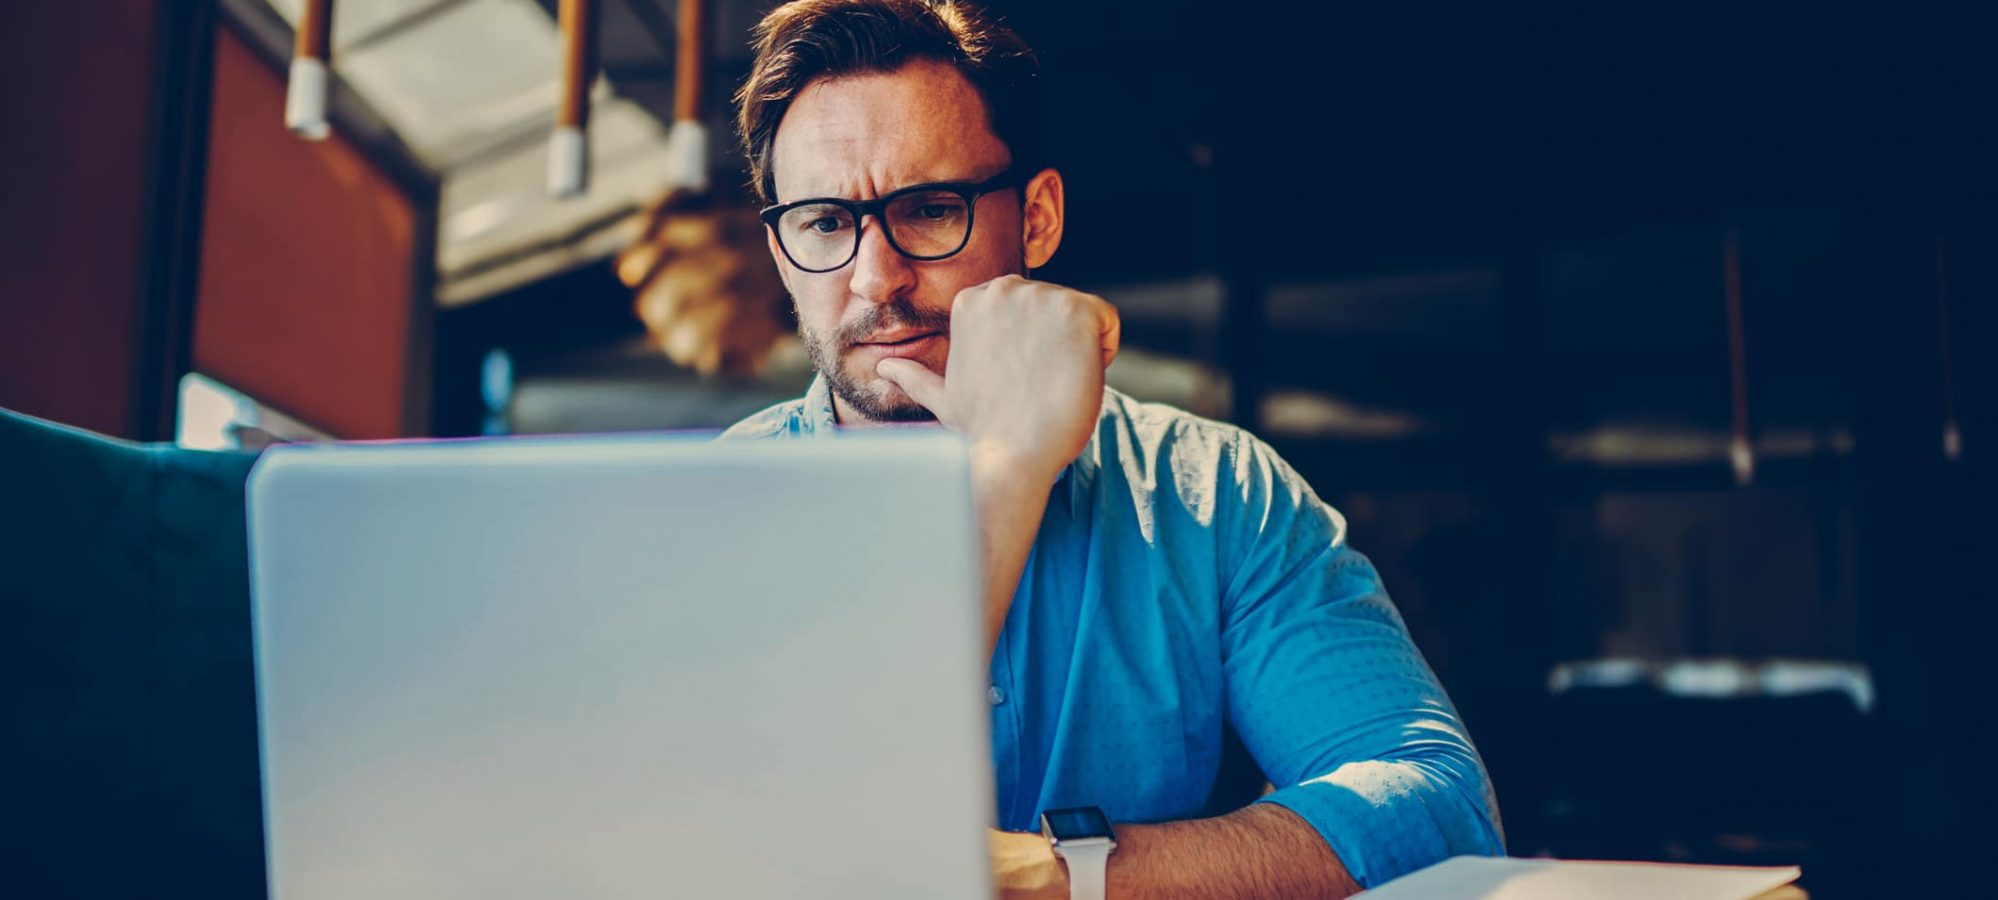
(827, 352)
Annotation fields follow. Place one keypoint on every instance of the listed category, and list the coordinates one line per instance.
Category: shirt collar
(815, 414)
(1079, 475)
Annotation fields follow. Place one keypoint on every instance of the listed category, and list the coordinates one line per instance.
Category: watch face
(1077, 823)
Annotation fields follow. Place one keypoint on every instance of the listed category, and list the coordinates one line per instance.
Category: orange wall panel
(308, 266)
(73, 221)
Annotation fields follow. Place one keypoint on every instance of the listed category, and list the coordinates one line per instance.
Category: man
(1161, 591)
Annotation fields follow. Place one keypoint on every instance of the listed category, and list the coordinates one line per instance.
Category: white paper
(1486, 878)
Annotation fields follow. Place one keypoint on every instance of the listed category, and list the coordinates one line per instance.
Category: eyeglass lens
(921, 224)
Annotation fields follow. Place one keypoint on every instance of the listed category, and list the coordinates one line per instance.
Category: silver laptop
(620, 667)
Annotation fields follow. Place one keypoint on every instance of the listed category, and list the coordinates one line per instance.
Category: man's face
(859, 137)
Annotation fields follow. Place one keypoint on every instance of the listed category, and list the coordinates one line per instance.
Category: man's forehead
(866, 134)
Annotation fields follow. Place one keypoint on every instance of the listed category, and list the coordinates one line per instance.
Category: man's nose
(879, 273)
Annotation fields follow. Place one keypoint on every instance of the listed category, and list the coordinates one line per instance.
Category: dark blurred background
(1465, 265)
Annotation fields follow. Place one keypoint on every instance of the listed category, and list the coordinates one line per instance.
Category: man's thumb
(916, 380)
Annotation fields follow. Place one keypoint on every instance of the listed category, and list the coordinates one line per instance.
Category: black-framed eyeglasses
(924, 222)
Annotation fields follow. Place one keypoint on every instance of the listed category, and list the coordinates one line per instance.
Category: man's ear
(1042, 217)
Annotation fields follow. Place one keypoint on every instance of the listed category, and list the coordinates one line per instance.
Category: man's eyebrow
(957, 180)
(876, 196)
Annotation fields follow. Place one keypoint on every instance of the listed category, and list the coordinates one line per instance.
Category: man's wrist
(1025, 867)
(1084, 839)
(997, 467)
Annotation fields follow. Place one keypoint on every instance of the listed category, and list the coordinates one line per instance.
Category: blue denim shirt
(1191, 611)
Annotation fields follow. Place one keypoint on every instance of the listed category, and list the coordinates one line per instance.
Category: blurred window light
(1597, 674)
(1789, 677)
(1637, 443)
(1705, 678)
(496, 388)
(1303, 413)
(1718, 678)
(214, 416)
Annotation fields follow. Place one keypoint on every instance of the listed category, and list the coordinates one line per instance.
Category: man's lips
(903, 345)
(889, 340)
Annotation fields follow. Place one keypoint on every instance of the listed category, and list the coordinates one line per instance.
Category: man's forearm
(1261, 851)
(1010, 499)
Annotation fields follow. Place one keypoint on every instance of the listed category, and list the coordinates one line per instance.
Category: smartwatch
(1081, 836)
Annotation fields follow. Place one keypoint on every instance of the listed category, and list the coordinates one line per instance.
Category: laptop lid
(620, 667)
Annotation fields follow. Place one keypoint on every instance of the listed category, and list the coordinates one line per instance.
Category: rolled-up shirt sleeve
(1328, 692)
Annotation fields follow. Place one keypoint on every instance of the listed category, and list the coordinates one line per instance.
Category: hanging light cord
(1741, 454)
(1952, 435)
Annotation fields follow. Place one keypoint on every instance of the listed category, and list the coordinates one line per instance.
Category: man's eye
(936, 211)
(824, 225)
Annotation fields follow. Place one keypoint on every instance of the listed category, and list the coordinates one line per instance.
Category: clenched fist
(1025, 373)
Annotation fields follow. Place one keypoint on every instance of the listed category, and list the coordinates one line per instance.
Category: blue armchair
(131, 733)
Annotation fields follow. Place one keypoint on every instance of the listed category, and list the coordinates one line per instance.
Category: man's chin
(879, 400)
(905, 413)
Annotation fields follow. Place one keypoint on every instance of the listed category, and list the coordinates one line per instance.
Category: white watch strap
(1087, 861)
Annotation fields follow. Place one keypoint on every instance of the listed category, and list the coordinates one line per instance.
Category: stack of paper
(1484, 878)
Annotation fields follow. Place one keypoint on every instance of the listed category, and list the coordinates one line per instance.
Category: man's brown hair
(806, 40)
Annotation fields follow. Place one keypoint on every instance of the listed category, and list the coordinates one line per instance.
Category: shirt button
(995, 695)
